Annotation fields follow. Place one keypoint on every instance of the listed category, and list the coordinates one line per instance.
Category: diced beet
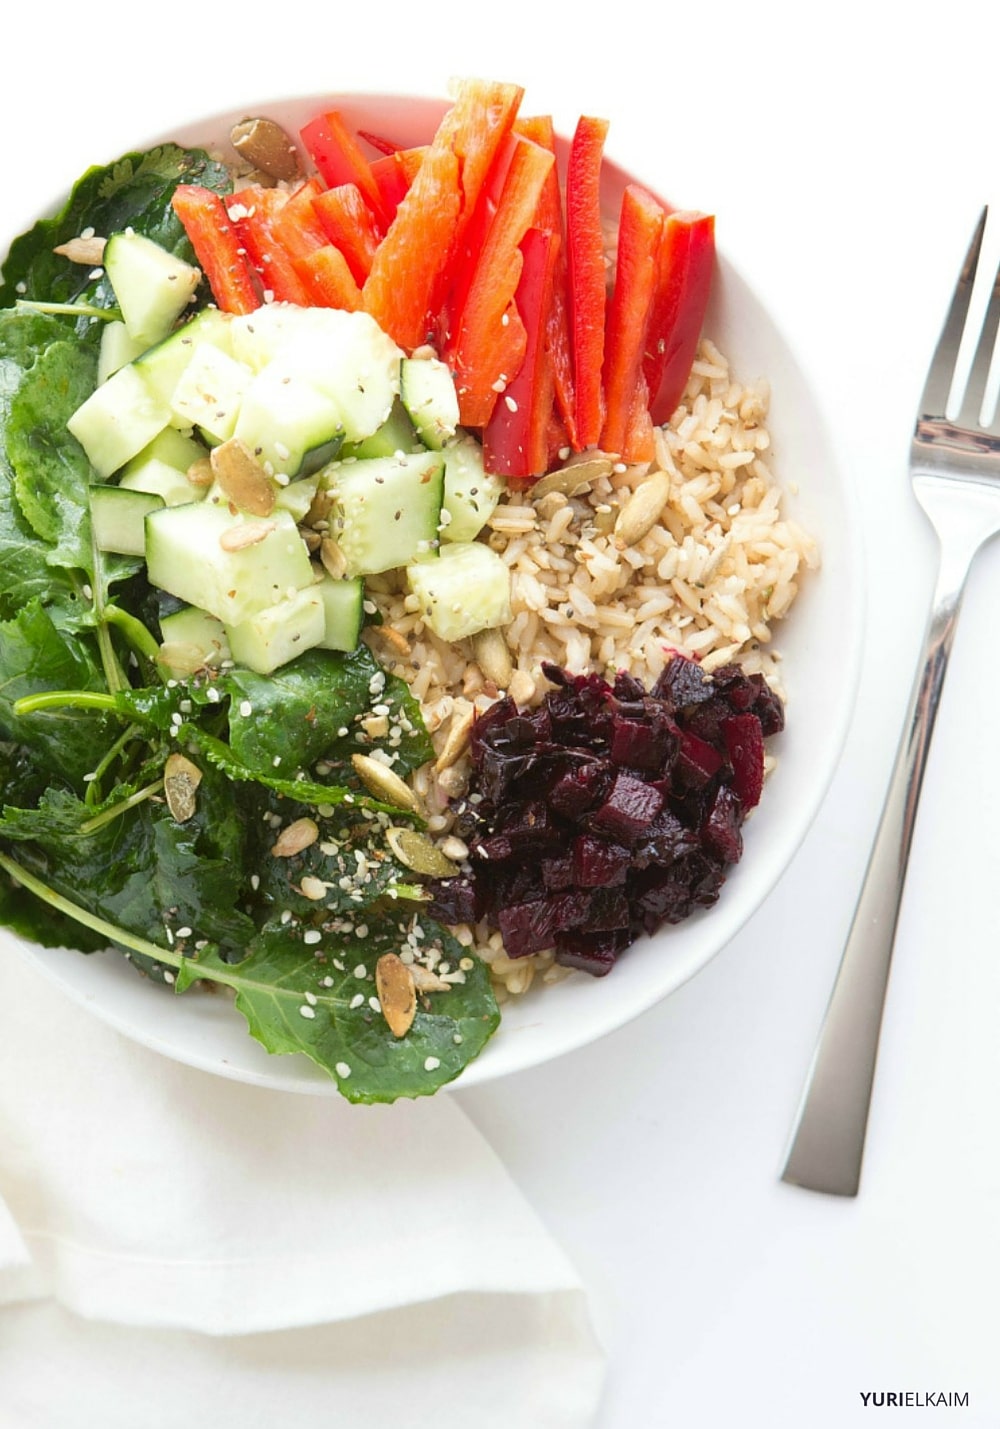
(597, 863)
(721, 830)
(768, 709)
(529, 928)
(529, 827)
(649, 743)
(456, 900)
(745, 748)
(628, 689)
(683, 683)
(594, 953)
(697, 761)
(664, 842)
(628, 811)
(608, 909)
(557, 872)
(580, 789)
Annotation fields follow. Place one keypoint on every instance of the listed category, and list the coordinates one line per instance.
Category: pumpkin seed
(419, 853)
(242, 478)
(180, 783)
(396, 993)
(381, 781)
(575, 476)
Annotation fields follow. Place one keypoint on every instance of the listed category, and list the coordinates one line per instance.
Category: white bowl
(821, 642)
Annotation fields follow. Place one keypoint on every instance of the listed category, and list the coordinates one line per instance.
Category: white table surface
(847, 155)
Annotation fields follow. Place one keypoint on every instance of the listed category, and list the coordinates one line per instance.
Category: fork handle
(828, 1138)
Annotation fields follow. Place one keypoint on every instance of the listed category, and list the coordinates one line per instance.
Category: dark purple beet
(606, 812)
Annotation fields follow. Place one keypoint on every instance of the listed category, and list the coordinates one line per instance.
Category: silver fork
(955, 470)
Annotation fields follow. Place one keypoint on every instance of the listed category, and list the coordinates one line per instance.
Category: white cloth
(224, 1255)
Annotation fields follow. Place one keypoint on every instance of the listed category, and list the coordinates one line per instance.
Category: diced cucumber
(285, 419)
(428, 393)
(118, 517)
(192, 640)
(117, 350)
(171, 447)
(466, 589)
(159, 478)
(345, 356)
(396, 434)
(163, 365)
(185, 555)
(470, 493)
(117, 420)
(152, 286)
(279, 633)
(385, 511)
(343, 609)
(209, 392)
(297, 497)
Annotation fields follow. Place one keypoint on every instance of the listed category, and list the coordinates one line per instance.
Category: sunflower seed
(642, 510)
(294, 838)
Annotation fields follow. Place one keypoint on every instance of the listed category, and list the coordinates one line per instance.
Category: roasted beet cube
(529, 928)
(629, 809)
(529, 826)
(594, 953)
(628, 689)
(598, 863)
(682, 684)
(456, 900)
(580, 789)
(648, 743)
(697, 761)
(608, 909)
(745, 748)
(557, 872)
(720, 832)
(665, 841)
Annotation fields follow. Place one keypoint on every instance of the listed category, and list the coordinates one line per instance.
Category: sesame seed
(431, 1064)
(360, 971)
(358, 1000)
(246, 709)
(374, 1004)
(184, 932)
(342, 1069)
(313, 936)
(306, 1011)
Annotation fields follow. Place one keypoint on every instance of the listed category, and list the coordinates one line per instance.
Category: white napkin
(237, 1256)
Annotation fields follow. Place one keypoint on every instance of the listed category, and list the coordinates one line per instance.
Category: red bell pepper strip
(636, 271)
(394, 174)
(585, 254)
(379, 142)
(640, 440)
(328, 279)
(253, 211)
(217, 248)
(540, 129)
(296, 226)
(686, 266)
(350, 225)
(405, 289)
(339, 158)
(516, 440)
(487, 344)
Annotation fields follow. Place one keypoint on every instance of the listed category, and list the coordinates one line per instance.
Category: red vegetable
(636, 271)
(254, 210)
(687, 261)
(339, 158)
(350, 225)
(487, 345)
(516, 438)
(393, 174)
(585, 253)
(217, 248)
(327, 277)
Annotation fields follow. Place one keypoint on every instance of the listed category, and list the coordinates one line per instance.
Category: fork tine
(942, 368)
(975, 390)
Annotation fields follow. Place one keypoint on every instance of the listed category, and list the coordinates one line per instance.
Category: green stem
(61, 699)
(78, 310)
(116, 811)
(93, 794)
(134, 631)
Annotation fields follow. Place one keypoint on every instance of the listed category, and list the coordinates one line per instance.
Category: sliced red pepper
(253, 211)
(406, 286)
(379, 142)
(684, 283)
(328, 279)
(516, 440)
(540, 129)
(394, 174)
(585, 255)
(349, 223)
(640, 440)
(339, 158)
(295, 225)
(217, 247)
(636, 271)
(468, 250)
(487, 344)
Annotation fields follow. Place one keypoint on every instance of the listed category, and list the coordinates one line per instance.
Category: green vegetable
(90, 825)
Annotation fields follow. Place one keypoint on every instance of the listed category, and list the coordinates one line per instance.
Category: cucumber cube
(209, 392)
(117, 350)
(162, 480)
(343, 609)
(194, 552)
(193, 640)
(428, 393)
(118, 517)
(117, 420)
(283, 417)
(279, 633)
(171, 447)
(152, 286)
(164, 364)
(466, 589)
(470, 493)
(386, 511)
